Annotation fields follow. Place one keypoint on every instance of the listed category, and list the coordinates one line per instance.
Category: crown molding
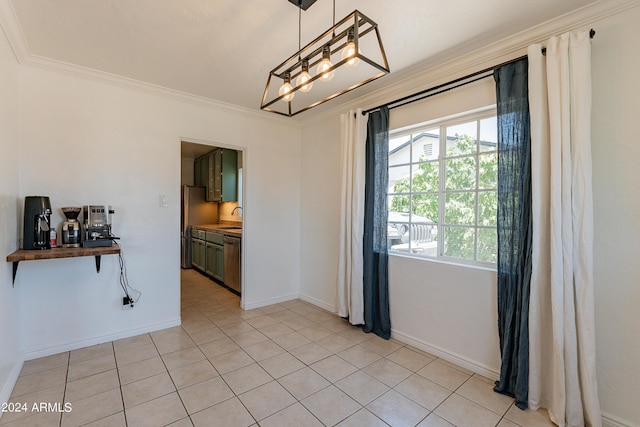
(449, 65)
(470, 58)
(18, 42)
(13, 31)
(79, 71)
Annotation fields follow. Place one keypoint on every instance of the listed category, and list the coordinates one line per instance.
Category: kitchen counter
(216, 252)
(224, 229)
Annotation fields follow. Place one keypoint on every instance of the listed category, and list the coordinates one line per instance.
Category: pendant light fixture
(326, 65)
(304, 78)
(286, 90)
(342, 44)
(349, 51)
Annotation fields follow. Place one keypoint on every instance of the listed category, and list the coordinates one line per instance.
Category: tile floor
(289, 364)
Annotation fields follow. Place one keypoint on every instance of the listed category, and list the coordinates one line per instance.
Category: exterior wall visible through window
(442, 190)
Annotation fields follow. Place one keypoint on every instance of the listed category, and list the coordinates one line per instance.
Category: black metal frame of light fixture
(303, 4)
(362, 25)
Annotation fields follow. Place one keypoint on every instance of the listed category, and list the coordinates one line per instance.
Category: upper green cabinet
(218, 172)
(201, 171)
(197, 174)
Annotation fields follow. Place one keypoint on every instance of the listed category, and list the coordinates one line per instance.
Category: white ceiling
(224, 49)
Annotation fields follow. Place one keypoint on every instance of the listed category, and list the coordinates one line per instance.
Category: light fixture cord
(299, 27)
(334, 13)
(334, 17)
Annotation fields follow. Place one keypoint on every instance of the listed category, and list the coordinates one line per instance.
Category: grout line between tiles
(204, 308)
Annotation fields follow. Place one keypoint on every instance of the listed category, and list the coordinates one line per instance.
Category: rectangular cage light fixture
(345, 57)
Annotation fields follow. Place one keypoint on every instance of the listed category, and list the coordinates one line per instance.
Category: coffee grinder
(37, 223)
(71, 228)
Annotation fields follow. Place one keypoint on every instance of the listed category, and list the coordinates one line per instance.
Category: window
(442, 190)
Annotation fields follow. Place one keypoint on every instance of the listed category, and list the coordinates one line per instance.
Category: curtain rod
(453, 84)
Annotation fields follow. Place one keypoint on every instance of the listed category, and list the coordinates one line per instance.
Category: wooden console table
(55, 253)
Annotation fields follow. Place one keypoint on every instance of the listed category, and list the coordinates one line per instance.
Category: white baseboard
(270, 301)
(41, 352)
(10, 383)
(421, 345)
(318, 303)
(609, 420)
(461, 361)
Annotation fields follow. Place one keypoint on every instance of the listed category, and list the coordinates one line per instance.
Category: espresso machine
(97, 226)
(37, 223)
(71, 233)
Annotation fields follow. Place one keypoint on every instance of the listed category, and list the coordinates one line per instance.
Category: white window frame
(442, 124)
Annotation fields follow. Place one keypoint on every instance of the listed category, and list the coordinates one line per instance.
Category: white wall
(616, 182)
(320, 212)
(10, 354)
(88, 142)
(452, 310)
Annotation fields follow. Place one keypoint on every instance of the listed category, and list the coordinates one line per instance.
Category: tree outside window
(449, 198)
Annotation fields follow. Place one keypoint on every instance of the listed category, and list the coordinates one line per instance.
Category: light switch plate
(164, 201)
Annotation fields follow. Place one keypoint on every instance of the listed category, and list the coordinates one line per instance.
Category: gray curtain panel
(514, 228)
(376, 271)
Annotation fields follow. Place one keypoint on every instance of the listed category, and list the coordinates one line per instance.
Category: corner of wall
(11, 357)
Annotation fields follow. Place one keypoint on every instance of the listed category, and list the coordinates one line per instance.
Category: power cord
(124, 281)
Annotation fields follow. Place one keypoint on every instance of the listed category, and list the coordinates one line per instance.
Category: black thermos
(37, 223)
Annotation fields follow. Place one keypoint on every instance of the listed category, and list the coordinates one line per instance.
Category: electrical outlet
(127, 304)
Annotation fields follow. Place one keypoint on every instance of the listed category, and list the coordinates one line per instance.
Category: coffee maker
(71, 228)
(37, 223)
(97, 226)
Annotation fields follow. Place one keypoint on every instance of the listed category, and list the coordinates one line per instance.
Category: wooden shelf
(56, 253)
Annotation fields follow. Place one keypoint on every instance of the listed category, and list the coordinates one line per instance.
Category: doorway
(211, 182)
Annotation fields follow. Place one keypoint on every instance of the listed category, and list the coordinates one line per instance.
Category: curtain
(562, 374)
(350, 268)
(514, 228)
(376, 274)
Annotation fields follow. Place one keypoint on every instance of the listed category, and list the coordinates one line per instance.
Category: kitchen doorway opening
(211, 213)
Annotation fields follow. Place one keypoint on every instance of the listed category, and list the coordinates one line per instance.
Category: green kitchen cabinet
(198, 255)
(215, 261)
(209, 258)
(215, 255)
(217, 171)
(218, 263)
(223, 176)
(201, 171)
(197, 173)
(204, 169)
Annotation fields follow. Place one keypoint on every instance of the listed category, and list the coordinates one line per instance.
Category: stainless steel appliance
(97, 226)
(232, 254)
(195, 210)
(37, 223)
(71, 228)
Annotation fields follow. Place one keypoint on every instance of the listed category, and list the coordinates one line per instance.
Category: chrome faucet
(235, 209)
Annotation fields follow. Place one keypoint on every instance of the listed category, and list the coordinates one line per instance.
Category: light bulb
(286, 89)
(324, 65)
(349, 51)
(304, 77)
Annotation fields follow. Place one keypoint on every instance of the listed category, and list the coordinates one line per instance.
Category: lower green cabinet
(198, 256)
(218, 264)
(215, 258)
(208, 255)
